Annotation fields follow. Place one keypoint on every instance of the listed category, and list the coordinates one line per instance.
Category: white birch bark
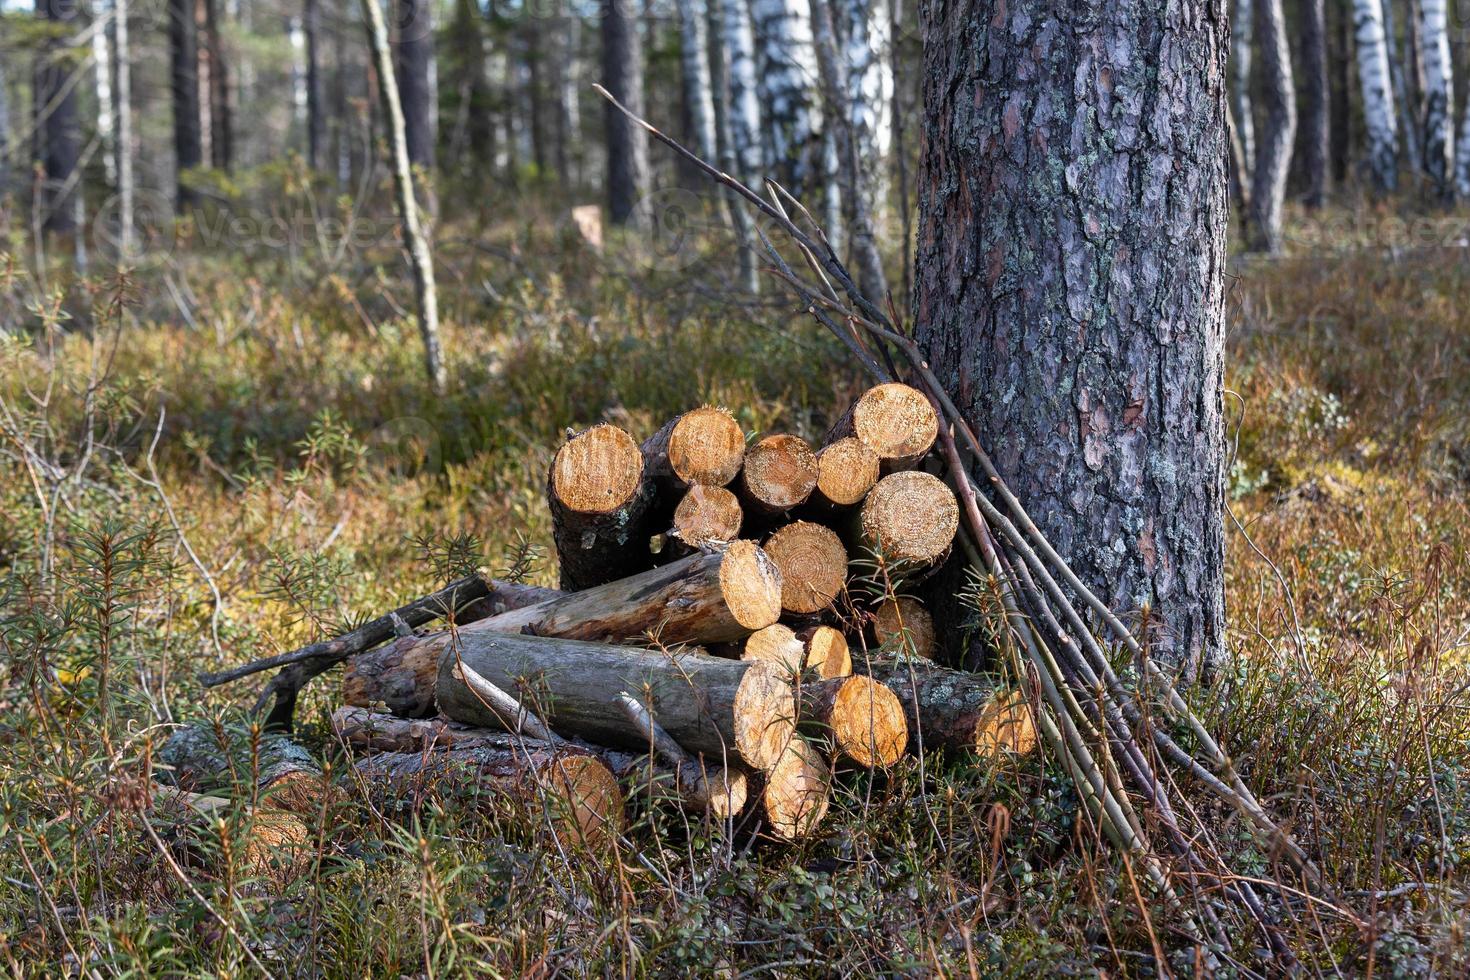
(1462, 155)
(694, 62)
(1242, 34)
(1278, 132)
(123, 99)
(787, 83)
(1439, 87)
(745, 107)
(1377, 87)
(106, 117)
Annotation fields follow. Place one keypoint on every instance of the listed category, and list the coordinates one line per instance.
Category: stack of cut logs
(701, 640)
(705, 642)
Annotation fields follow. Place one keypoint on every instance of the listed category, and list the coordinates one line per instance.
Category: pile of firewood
(709, 640)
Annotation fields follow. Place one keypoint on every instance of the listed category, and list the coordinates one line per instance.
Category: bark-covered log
(796, 791)
(600, 503)
(727, 710)
(895, 421)
(827, 653)
(846, 471)
(269, 843)
(704, 447)
(399, 676)
(721, 792)
(905, 623)
(197, 758)
(957, 710)
(571, 786)
(858, 717)
(780, 473)
(504, 597)
(910, 519)
(813, 565)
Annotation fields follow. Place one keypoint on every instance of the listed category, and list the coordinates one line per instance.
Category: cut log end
(798, 791)
(904, 622)
(751, 585)
(846, 471)
(813, 565)
(863, 719)
(706, 447)
(597, 471)
(765, 716)
(910, 518)
(778, 646)
(897, 422)
(780, 473)
(590, 794)
(827, 654)
(718, 791)
(1006, 725)
(707, 515)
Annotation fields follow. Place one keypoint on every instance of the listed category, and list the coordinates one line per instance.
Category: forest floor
(232, 452)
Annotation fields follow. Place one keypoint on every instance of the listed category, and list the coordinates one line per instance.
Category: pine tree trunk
(1377, 89)
(415, 66)
(1341, 59)
(1273, 156)
(694, 63)
(414, 241)
(1071, 283)
(184, 57)
(783, 33)
(1439, 89)
(627, 145)
(316, 113)
(1316, 103)
(60, 132)
(221, 110)
(1243, 32)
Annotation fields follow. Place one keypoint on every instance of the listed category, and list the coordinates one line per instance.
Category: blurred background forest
(224, 433)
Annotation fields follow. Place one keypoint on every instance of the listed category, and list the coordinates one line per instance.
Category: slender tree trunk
(845, 120)
(316, 112)
(59, 132)
(536, 98)
(565, 88)
(415, 66)
(1316, 103)
(184, 57)
(745, 107)
(104, 82)
(694, 64)
(123, 82)
(1243, 28)
(1462, 155)
(1377, 88)
(627, 145)
(1273, 156)
(1439, 90)
(740, 222)
(1408, 123)
(786, 83)
(1071, 283)
(1341, 59)
(414, 241)
(221, 109)
(864, 33)
(5, 142)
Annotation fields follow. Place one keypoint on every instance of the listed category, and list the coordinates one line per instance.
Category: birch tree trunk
(1273, 157)
(720, 89)
(414, 67)
(627, 145)
(786, 83)
(1462, 155)
(184, 59)
(1070, 268)
(1315, 101)
(1243, 31)
(414, 242)
(694, 63)
(1377, 87)
(59, 130)
(1439, 88)
(106, 108)
(745, 108)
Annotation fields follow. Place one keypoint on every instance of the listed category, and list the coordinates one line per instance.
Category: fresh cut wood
(599, 500)
(860, 718)
(200, 758)
(846, 471)
(894, 420)
(705, 517)
(813, 564)
(796, 791)
(720, 792)
(910, 520)
(704, 447)
(780, 473)
(957, 710)
(827, 653)
(903, 623)
(731, 711)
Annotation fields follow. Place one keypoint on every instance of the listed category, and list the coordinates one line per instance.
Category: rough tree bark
(1377, 89)
(627, 145)
(414, 241)
(1273, 156)
(1439, 91)
(59, 132)
(1316, 102)
(183, 35)
(1071, 283)
(316, 111)
(221, 107)
(415, 67)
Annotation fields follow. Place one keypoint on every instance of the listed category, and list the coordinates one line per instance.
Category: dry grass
(304, 479)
